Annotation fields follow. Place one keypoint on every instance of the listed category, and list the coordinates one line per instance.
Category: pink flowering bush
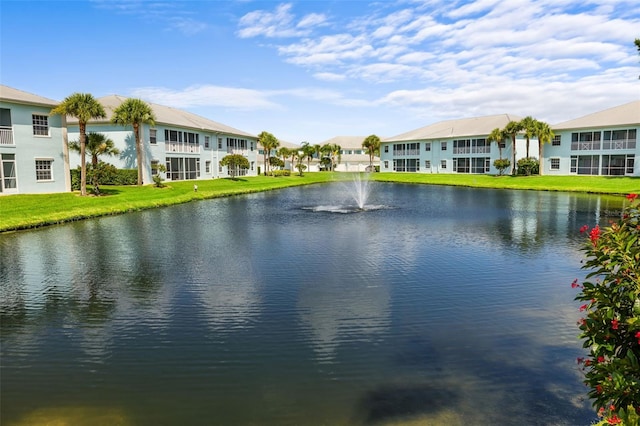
(610, 327)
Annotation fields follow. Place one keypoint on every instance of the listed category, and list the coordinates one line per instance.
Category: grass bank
(589, 184)
(30, 211)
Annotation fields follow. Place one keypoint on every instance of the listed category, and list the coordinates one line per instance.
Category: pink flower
(614, 420)
(583, 307)
(584, 229)
(600, 359)
(580, 360)
(594, 235)
(632, 197)
(575, 284)
(598, 388)
(614, 324)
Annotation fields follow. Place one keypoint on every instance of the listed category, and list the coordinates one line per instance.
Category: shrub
(528, 166)
(611, 326)
(107, 174)
(278, 173)
(502, 164)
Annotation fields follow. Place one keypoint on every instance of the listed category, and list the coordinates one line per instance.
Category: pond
(438, 305)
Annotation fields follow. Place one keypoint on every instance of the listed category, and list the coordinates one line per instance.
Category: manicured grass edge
(70, 207)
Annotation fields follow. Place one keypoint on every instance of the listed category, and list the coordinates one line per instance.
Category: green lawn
(29, 211)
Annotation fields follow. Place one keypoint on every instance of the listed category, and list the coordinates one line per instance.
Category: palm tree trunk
(513, 147)
(136, 130)
(83, 161)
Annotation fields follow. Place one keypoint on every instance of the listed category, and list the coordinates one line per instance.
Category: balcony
(619, 144)
(190, 148)
(243, 152)
(6, 135)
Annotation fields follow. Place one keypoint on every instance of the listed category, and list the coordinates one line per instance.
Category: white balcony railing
(237, 151)
(191, 148)
(6, 135)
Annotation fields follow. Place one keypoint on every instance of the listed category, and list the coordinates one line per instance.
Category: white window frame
(44, 165)
(40, 123)
(554, 163)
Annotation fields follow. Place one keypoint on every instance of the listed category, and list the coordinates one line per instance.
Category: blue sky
(312, 70)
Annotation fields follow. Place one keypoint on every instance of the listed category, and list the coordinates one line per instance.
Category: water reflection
(252, 309)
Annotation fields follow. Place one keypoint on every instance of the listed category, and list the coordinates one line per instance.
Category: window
(427, 164)
(239, 144)
(427, 146)
(400, 149)
(253, 162)
(585, 141)
(206, 142)
(8, 172)
(153, 136)
(555, 164)
(443, 146)
(179, 168)
(587, 164)
(386, 148)
(219, 143)
(207, 167)
(617, 165)
(461, 165)
(40, 125)
(43, 170)
(574, 164)
(406, 165)
(443, 164)
(619, 139)
(386, 164)
(556, 140)
(154, 167)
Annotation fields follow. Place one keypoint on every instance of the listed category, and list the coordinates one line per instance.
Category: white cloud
(206, 95)
(329, 76)
(174, 14)
(280, 23)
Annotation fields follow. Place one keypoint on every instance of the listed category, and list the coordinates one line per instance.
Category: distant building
(602, 143)
(452, 146)
(190, 146)
(353, 157)
(274, 153)
(33, 148)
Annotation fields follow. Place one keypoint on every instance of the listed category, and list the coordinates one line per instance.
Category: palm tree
(545, 135)
(135, 112)
(528, 125)
(269, 143)
(97, 144)
(84, 107)
(498, 136)
(372, 145)
(317, 150)
(284, 153)
(308, 151)
(332, 150)
(512, 129)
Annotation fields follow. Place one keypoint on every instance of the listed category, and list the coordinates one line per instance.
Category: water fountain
(357, 190)
(360, 191)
